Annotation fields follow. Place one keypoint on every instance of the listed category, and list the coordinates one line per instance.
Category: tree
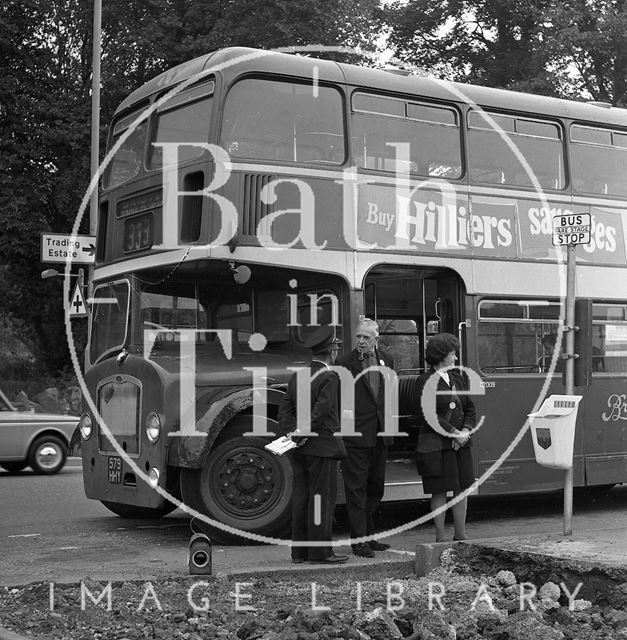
(491, 42)
(39, 140)
(45, 82)
(574, 49)
(587, 40)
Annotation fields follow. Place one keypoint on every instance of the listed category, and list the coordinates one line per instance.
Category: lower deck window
(609, 338)
(517, 337)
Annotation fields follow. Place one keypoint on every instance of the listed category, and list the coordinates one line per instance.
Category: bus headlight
(153, 477)
(85, 425)
(153, 427)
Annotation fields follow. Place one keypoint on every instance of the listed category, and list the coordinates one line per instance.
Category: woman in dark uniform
(443, 453)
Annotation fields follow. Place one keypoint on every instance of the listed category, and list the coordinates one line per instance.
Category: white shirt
(444, 375)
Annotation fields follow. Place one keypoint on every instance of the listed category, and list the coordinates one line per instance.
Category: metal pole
(570, 376)
(95, 125)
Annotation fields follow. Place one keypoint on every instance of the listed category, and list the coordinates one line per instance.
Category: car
(40, 440)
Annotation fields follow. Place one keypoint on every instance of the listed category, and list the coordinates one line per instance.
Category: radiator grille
(119, 407)
(253, 210)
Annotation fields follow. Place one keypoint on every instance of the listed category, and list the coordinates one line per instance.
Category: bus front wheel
(242, 485)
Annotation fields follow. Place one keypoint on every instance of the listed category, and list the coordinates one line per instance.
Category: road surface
(51, 532)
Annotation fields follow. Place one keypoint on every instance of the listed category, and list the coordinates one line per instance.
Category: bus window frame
(605, 322)
(524, 304)
(131, 114)
(563, 139)
(125, 341)
(151, 137)
(575, 144)
(292, 80)
(407, 100)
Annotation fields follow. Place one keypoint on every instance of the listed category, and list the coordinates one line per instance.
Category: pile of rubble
(448, 604)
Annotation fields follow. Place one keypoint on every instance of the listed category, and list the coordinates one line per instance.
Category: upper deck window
(508, 150)
(128, 159)
(430, 132)
(184, 118)
(599, 160)
(284, 121)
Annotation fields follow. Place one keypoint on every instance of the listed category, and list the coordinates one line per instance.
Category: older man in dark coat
(363, 468)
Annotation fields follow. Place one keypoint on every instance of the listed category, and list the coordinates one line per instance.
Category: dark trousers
(313, 476)
(364, 482)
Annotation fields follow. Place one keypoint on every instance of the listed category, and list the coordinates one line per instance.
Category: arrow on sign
(90, 250)
(78, 308)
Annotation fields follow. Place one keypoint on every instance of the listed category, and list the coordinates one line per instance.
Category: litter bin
(553, 431)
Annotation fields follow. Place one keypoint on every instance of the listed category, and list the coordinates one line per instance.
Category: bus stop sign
(571, 228)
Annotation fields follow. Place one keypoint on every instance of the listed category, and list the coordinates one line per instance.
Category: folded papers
(281, 445)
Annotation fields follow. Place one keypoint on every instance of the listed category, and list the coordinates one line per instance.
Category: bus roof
(235, 61)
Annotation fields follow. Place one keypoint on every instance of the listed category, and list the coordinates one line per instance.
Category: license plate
(114, 469)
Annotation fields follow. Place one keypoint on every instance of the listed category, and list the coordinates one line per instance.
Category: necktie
(374, 378)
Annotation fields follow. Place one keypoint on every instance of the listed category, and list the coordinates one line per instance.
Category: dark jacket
(454, 411)
(369, 411)
(324, 414)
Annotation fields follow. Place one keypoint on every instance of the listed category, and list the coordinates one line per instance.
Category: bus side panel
(507, 401)
(506, 406)
(605, 418)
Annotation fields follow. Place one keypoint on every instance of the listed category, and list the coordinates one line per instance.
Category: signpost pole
(95, 123)
(570, 375)
(570, 230)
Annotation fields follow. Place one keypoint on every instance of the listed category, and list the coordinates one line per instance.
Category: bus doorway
(410, 304)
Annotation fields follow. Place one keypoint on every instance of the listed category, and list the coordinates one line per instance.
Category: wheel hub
(48, 457)
(246, 481)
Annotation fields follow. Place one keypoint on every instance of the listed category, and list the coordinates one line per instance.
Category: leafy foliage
(45, 107)
(587, 41)
(575, 49)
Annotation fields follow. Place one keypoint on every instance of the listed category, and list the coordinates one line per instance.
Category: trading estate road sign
(572, 228)
(59, 247)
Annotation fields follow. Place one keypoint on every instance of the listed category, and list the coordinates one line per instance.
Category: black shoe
(375, 545)
(298, 560)
(363, 549)
(333, 559)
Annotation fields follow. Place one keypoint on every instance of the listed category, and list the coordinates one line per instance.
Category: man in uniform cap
(315, 460)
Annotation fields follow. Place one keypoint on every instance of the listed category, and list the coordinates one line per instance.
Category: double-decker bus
(256, 195)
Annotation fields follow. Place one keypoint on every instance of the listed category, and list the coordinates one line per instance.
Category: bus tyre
(142, 513)
(47, 455)
(244, 486)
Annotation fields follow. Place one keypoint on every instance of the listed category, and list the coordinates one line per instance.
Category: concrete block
(428, 556)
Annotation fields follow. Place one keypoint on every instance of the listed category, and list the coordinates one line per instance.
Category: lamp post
(95, 125)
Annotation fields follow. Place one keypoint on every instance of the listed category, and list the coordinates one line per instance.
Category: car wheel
(243, 486)
(142, 513)
(47, 455)
(14, 467)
